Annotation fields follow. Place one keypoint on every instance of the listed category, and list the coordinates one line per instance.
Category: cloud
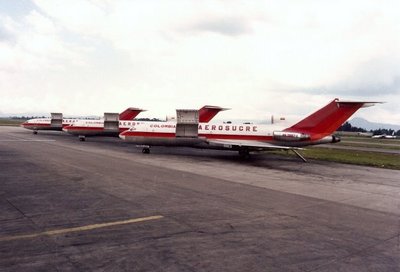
(37, 44)
(7, 26)
(223, 26)
(253, 56)
(40, 24)
(371, 78)
(6, 36)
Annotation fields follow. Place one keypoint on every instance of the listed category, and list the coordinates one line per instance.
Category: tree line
(348, 127)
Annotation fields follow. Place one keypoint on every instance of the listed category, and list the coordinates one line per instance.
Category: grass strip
(368, 158)
(10, 122)
(365, 158)
(371, 145)
(370, 140)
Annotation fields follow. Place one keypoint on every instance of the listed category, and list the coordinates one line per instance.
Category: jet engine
(290, 136)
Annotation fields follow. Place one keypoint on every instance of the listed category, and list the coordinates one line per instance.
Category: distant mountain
(365, 124)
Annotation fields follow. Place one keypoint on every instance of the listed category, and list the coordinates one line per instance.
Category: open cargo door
(187, 124)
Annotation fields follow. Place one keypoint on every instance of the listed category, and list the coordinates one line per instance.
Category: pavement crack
(18, 209)
(358, 252)
(23, 214)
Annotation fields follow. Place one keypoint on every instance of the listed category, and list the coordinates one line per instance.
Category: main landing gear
(145, 148)
(82, 138)
(244, 153)
(35, 132)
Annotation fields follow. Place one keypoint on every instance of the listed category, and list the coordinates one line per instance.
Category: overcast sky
(257, 57)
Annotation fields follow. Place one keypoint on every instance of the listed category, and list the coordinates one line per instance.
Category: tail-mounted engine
(290, 136)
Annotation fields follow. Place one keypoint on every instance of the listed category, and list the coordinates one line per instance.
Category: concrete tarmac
(102, 205)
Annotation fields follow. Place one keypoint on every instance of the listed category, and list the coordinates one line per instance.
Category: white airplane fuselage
(45, 123)
(317, 128)
(164, 134)
(55, 124)
(384, 136)
(96, 127)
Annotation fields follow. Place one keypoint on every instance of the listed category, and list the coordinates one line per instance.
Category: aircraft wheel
(244, 153)
(35, 132)
(82, 138)
(146, 150)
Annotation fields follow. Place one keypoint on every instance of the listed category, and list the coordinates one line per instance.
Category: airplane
(57, 122)
(384, 136)
(83, 128)
(317, 128)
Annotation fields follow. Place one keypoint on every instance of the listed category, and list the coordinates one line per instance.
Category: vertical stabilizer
(325, 121)
(207, 113)
(129, 113)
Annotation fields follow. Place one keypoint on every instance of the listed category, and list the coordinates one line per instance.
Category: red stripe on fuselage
(208, 136)
(148, 134)
(39, 125)
(237, 137)
(75, 128)
(72, 128)
(35, 125)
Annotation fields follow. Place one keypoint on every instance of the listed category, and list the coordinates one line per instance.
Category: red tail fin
(326, 120)
(207, 113)
(129, 113)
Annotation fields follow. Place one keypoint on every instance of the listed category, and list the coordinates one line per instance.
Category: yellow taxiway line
(83, 228)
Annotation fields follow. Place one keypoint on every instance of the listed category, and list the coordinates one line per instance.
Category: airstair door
(187, 123)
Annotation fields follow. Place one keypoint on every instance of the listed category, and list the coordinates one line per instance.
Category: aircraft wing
(248, 144)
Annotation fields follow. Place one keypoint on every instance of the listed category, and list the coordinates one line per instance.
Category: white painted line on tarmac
(27, 140)
(77, 229)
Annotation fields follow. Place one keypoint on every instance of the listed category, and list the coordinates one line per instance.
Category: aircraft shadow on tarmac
(258, 159)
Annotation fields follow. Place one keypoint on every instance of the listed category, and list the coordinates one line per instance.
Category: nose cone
(122, 135)
(25, 125)
(66, 128)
